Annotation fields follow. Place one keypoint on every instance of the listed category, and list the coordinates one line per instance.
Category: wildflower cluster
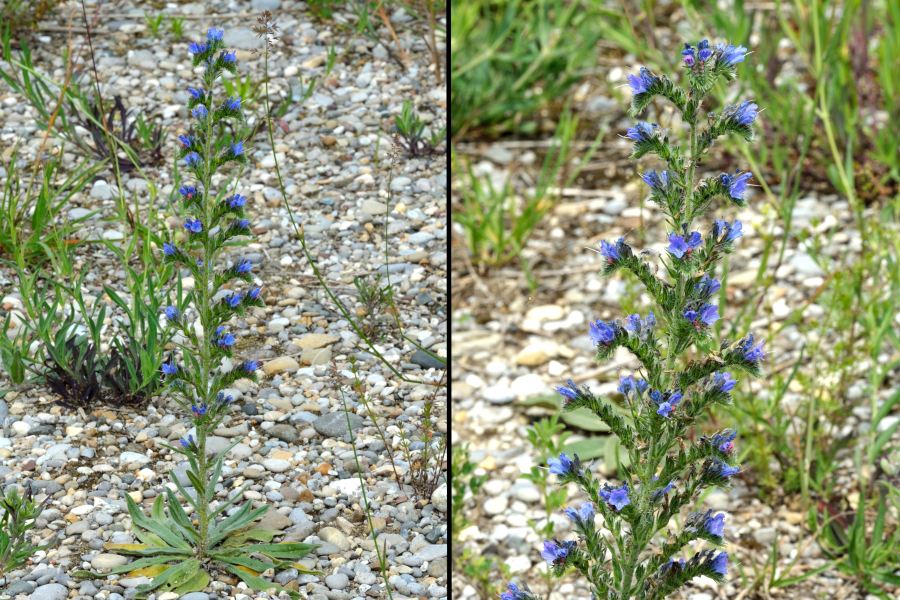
(201, 369)
(660, 404)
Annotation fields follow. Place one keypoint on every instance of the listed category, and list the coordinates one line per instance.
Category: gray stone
(338, 581)
(285, 433)
(262, 5)
(334, 425)
(51, 591)
(242, 38)
(432, 551)
(426, 361)
(195, 596)
(143, 59)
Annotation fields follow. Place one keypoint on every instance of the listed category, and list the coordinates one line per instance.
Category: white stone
(104, 562)
(276, 465)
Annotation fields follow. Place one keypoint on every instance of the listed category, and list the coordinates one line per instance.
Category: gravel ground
(512, 342)
(293, 443)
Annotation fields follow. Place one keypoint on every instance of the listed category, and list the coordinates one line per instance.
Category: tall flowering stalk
(633, 553)
(181, 547)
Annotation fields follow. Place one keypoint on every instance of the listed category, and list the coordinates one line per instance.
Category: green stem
(205, 317)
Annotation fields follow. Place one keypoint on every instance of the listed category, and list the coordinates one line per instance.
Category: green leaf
(287, 550)
(180, 518)
(243, 517)
(176, 574)
(155, 526)
(587, 449)
(545, 401)
(584, 419)
(258, 583)
(197, 583)
(244, 561)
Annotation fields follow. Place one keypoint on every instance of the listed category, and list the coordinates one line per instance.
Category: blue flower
(602, 332)
(169, 249)
(724, 470)
(188, 191)
(187, 442)
(186, 140)
(642, 131)
(616, 497)
(569, 392)
(723, 381)
(556, 553)
(195, 92)
(642, 82)
(200, 112)
(704, 51)
(169, 368)
(715, 526)
(513, 592)
(680, 247)
(667, 402)
(707, 286)
(192, 159)
(243, 266)
(743, 113)
(200, 410)
(172, 313)
(731, 232)
(720, 564)
(195, 48)
(731, 55)
(213, 34)
(251, 365)
(193, 225)
(724, 441)
(657, 181)
(253, 294)
(223, 338)
(222, 399)
(229, 57)
(233, 103)
(242, 224)
(233, 300)
(752, 354)
(672, 564)
(628, 384)
(736, 184)
(564, 466)
(659, 493)
(640, 327)
(237, 148)
(612, 252)
(704, 317)
(581, 516)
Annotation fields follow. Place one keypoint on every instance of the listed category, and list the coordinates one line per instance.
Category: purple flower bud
(679, 247)
(723, 469)
(169, 249)
(214, 35)
(704, 51)
(169, 368)
(736, 184)
(707, 286)
(187, 442)
(172, 313)
(513, 592)
(186, 141)
(251, 365)
(236, 201)
(229, 57)
(192, 159)
(743, 113)
(723, 381)
(198, 411)
(200, 112)
(752, 354)
(611, 251)
(196, 93)
(253, 294)
(657, 494)
(233, 103)
(629, 384)
(638, 327)
(195, 48)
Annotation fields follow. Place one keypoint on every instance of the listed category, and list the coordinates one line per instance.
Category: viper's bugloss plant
(632, 552)
(180, 545)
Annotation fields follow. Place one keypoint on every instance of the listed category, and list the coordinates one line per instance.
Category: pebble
(276, 465)
(337, 581)
(280, 365)
(334, 425)
(50, 591)
(427, 361)
(104, 562)
(439, 498)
